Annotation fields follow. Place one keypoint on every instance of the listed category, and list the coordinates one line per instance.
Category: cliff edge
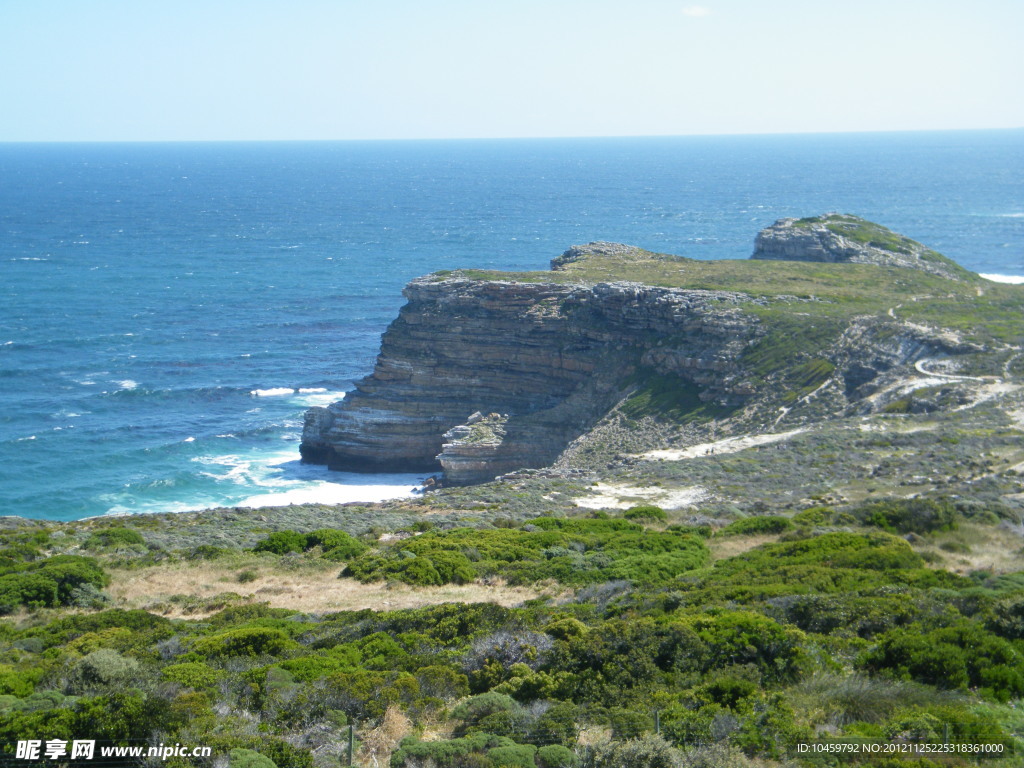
(484, 373)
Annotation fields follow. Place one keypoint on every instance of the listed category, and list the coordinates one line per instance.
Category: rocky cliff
(485, 373)
(550, 358)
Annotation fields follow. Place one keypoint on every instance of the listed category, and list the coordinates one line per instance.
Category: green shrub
(1007, 617)
(555, 756)
(442, 682)
(26, 589)
(18, 682)
(645, 512)
(192, 674)
(513, 756)
(486, 704)
(246, 641)
(742, 637)
(336, 545)
(207, 552)
(467, 752)
(909, 515)
(107, 668)
(812, 516)
(282, 542)
(751, 526)
(247, 758)
(961, 656)
(70, 572)
(115, 537)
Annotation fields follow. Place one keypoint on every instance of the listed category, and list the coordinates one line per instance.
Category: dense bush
(909, 515)
(335, 544)
(282, 542)
(763, 524)
(645, 512)
(192, 674)
(572, 551)
(245, 641)
(961, 656)
(115, 537)
(49, 582)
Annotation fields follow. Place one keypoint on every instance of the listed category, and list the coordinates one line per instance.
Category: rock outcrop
(837, 237)
(551, 358)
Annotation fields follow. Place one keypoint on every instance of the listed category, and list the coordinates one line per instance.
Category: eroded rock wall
(552, 358)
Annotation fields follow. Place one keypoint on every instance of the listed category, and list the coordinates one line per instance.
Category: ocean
(170, 310)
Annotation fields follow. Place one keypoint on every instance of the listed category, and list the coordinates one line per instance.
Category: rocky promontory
(485, 373)
(836, 238)
(553, 358)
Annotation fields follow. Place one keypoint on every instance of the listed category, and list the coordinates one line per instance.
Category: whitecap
(189, 440)
(318, 397)
(1012, 279)
(272, 392)
(127, 384)
(23, 439)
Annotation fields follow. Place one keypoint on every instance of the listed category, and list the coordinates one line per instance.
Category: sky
(204, 70)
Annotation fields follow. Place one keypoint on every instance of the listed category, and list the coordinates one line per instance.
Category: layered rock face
(545, 360)
(842, 238)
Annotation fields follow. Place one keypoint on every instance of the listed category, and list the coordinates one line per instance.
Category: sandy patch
(307, 591)
(729, 445)
(607, 496)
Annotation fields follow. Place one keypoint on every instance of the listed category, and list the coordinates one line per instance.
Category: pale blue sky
(114, 70)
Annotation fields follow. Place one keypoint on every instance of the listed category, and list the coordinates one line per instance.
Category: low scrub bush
(245, 641)
(764, 524)
(961, 656)
(114, 538)
(909, 515)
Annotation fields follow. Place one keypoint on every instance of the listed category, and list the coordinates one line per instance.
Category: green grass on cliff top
(981, 309)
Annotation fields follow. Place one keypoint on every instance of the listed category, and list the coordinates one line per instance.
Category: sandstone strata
(551, 358)
(842, 238)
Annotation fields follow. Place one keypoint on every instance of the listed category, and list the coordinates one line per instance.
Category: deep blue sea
(169, 310)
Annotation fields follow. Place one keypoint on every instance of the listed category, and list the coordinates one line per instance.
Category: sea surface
(168, 311)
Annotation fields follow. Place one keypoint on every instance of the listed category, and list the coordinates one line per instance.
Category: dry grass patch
(978, 548)
(181, 589)
(730, 546)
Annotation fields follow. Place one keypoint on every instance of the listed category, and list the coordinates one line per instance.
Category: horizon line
(514, 138)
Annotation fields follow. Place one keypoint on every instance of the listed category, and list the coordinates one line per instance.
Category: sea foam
(1013, 279)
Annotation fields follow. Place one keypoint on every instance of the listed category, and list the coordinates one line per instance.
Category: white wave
(1010, 215)
(272, 392)
(330, 493)
(23, 439)
(127, 384)
(1013, 279)
(189, 440)
(318, 397)
(8, 343)
(311, 390)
